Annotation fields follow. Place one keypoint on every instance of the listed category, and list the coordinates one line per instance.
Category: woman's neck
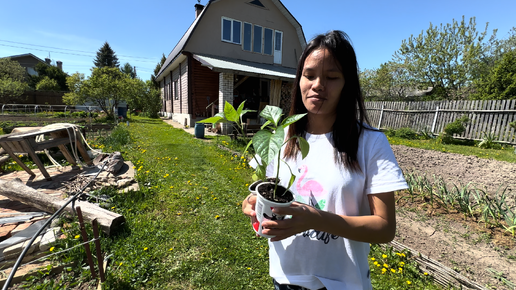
(320, 124)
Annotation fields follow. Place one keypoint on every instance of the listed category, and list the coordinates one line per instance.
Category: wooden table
(54, 136)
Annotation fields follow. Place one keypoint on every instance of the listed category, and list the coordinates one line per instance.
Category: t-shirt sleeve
(383, 171)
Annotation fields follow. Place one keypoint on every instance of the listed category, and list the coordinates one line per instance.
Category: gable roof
(176, 53)
(25, 55)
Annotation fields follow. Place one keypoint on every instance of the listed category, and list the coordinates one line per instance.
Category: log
(16, 190)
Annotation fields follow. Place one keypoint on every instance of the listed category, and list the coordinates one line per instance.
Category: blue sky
(141, 31)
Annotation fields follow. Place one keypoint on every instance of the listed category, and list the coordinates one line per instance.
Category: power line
(92, 53)
(68, 49)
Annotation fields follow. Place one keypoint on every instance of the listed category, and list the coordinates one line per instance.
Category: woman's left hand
(304, 217)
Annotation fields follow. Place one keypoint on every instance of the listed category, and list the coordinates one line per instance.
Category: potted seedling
(267, 143)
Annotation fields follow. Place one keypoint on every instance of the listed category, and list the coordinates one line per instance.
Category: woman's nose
(318, 84)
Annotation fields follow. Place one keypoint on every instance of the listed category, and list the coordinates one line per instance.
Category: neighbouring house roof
(25, 55)
(242, 67)
(176, 55)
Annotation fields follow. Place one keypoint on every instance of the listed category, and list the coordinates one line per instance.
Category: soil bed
(484, 255)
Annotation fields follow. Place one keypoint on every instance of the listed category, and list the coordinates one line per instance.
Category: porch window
(231, 30)
(257, 39)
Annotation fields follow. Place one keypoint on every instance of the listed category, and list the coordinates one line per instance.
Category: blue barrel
(199, 130)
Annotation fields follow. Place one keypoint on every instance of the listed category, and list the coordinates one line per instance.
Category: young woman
(344, 188)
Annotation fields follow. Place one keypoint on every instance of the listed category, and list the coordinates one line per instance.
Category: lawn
(185, 229)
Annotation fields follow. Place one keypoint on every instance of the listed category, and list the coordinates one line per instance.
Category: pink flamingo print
(311, 186)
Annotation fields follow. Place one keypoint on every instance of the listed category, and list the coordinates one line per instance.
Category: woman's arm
(379, 227)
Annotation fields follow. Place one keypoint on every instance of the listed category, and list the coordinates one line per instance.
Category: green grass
(185, 228)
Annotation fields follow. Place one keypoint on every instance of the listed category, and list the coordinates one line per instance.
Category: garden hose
(26, 249)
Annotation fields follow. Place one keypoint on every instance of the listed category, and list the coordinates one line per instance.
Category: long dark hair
(351, 115)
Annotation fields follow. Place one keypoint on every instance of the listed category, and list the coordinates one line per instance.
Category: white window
(231, 30)
(257, 39)
(248, 34)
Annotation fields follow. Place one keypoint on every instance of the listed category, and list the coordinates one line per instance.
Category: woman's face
(321, 83)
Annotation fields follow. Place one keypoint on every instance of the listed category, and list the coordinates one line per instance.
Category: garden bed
(483, 254)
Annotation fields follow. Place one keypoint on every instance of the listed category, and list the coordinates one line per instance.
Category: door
(278, 46)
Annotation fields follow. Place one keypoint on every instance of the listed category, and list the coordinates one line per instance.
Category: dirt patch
(486, 256)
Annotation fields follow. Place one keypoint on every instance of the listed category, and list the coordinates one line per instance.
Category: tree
(106, 57)
(106, 88)
(128, 70)
(12, 80)
(391, 82)
(156, 71)
(444, 57)
(47, 84)
(49, 72)
(500, 83)
(144, 96)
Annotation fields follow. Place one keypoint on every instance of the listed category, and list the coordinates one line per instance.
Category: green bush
(406, 133)
(119, 137)
(62, 114)
(455, 127)
(80, 114)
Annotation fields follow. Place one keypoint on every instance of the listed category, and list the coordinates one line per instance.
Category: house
(235, 51)
(29, 62)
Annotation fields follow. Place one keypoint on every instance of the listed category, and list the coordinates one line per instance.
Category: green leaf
(267, 144)
(260, 172)
(291, 181)
(265, 125)
(240, 108)
(214, 120)
(248, 144)
(230, 113)
(272, 113)
(292, 119)
(305, 147)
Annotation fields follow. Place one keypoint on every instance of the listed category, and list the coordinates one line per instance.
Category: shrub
(406, 133)
(119, 137)
(455, 127)
(80, 114)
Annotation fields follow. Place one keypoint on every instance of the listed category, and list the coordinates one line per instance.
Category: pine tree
(106, 57)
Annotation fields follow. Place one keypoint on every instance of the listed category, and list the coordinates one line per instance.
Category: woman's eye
(308, 77)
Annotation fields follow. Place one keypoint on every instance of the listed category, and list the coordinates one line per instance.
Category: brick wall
(225, 89)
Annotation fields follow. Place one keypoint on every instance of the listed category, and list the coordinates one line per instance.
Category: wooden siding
(485, 117)
(205, 84)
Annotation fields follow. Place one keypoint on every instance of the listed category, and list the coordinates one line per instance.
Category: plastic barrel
(199, 130)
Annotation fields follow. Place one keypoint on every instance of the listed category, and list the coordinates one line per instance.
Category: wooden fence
(485, 117)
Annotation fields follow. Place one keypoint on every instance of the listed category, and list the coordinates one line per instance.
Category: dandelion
(408, 282)
(402, 264)
(20, 155)
(170, 249)
(426, 274)
(372, 259)
(384, 270)
(77, 236)
(145, 249)
(393, 271)
(121, 263)
(400, 270)
(386, 266)
(384, 256)
(51, 249)
(217, 217)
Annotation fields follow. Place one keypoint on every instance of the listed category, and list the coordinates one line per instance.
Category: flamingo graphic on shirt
(310, 189)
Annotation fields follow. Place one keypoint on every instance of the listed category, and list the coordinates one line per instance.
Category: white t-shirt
(317, 259)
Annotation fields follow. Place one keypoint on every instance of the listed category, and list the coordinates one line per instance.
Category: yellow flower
(393, 271)
(145, 249)
(402, 264)
(20, 155)
(386, 266)
(372, 259)
(121, 263)
(384, 256)
(384, 270)
(426, 274)
(77, 236)
(217, 217)
(408, 282)
(400, 270)
(51, 249)
(170, 249)
(375, 263)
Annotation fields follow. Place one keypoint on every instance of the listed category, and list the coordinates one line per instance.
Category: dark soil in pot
(283, 195)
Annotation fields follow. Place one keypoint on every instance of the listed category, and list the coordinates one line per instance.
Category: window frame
(261, 38)
(231, 26)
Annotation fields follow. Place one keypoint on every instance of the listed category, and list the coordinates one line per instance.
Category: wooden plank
(498, 118)
(510, 131)
(468, 106)
(36, 159)
(15, 190)
(9, 151)
(504, 123)
(475, 120)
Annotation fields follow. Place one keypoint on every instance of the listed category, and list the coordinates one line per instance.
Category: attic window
(257, 3)
(231, 30)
